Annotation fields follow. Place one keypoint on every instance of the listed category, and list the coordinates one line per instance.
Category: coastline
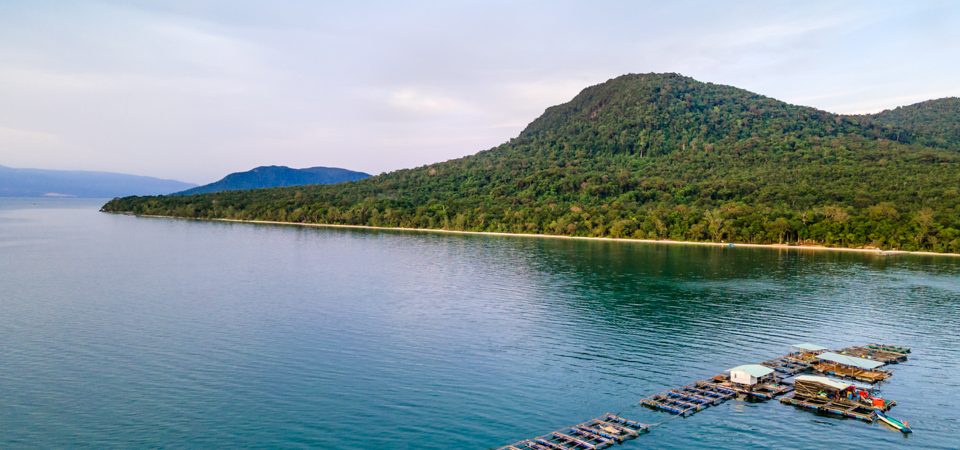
(814, 248)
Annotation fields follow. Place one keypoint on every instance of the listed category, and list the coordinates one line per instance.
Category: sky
(193, 90)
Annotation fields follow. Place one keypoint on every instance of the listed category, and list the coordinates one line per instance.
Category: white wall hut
(750, 374)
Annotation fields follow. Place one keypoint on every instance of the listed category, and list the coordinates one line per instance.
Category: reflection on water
(121, 331)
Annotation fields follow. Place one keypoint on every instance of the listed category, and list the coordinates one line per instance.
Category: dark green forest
(660, 156)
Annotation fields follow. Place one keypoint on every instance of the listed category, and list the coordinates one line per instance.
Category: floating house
(814, 385)
(850, 361)
(836, 397)
(754, 381)
(751, 374)
(846, 366)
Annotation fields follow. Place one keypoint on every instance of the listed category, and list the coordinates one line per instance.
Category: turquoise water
(119, 331)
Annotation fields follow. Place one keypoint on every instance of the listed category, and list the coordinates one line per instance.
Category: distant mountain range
(661, 156)
(277, 176)
(71, 183)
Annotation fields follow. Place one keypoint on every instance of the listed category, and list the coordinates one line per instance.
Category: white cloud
(50, 82)
(15, 137)
(145, 86)
(22, 147)
(549, 91)
(416, 101)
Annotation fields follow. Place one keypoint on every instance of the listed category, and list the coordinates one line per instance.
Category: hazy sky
(195, 89)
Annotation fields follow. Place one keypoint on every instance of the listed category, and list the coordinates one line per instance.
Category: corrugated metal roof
(809, 347)
(755, 370)
(836, 384)
(853, 361)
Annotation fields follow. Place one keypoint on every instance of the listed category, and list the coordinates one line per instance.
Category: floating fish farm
(801, 378)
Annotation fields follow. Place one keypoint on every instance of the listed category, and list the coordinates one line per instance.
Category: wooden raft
(787, 366)
(890, 348)
(689, 399)
(593, 434)
(762, 391)
(875, 353)
(853, 373)
(824, 405)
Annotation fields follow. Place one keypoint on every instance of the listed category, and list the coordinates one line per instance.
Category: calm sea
(118, 331)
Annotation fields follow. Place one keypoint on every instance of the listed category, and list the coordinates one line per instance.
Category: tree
(715, 224)
(779, 227)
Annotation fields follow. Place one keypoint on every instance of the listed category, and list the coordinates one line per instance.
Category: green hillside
(933, 122)
(657, 156)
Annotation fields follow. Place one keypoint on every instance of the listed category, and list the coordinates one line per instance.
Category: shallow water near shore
(120, 331)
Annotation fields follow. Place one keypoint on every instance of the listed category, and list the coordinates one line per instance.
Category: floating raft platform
(824, 405)
(787, 366)
(876, 353)
(851, 367)
(859, 363)
(762, 391)
(890, 348)
(667, 403)
(593, 434)
(851, 373)
(718, 395)
(688, 400)
(831, 396)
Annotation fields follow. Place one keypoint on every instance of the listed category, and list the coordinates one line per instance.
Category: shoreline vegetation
(871, 251)
(659, 157)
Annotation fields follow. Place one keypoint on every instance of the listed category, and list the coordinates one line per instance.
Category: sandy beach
(812, 248)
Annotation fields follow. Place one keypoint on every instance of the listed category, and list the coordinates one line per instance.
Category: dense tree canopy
(663, 157)
(934, 122)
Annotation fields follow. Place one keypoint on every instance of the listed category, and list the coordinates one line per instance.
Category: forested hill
(935, 122)
(277, 176)
(658, 156)
(662, 113)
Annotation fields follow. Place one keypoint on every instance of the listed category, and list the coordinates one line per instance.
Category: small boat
(903, 427)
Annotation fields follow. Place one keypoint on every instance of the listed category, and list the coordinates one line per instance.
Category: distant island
(277, 176)
(75, 183)
(666, 157)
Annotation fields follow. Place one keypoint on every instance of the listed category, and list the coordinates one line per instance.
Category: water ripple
(125, 332)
